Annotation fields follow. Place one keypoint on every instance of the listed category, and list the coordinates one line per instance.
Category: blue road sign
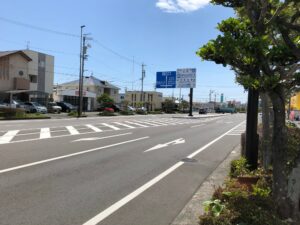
(166, 79)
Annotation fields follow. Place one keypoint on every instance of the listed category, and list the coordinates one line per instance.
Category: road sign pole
(191, 102)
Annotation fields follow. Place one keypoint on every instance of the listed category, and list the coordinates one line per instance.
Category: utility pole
(80, 85)
(142, 90)
(83, 57)
(191, 102)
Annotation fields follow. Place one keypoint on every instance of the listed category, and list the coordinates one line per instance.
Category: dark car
(116, 108)
(202, 111)
(66, 107)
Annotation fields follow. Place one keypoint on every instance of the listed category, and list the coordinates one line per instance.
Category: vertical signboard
(166, 79)
(186, 78)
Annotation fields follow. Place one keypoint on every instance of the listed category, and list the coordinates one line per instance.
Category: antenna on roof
(28, 45)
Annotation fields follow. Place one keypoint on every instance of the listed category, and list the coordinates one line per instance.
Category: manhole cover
(188, 160)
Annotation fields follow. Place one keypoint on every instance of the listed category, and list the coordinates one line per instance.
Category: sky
(162, 34)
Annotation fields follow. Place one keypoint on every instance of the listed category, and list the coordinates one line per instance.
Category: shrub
(126, 113)
(73, 113)
(239, 167)
(12, 113)
(106, 113)
(141, 112)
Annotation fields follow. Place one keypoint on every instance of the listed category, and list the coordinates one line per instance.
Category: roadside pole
(251, 129)
(191, 102)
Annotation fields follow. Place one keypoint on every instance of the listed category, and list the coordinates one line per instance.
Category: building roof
(91, 81)
(7, 53)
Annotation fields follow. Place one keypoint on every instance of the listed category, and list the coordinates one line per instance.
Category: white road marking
(8, 136)
(148, 123)
(69, 155)
(141, 125)
(110, 126)
(45, 133)
(114, 207)
(72, 130)
(125, 125)
(100, 138)
(110, 210)
(96, 129)
(175, 142)
(200, 125)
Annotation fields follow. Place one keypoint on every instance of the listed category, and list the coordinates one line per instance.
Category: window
(33, 78)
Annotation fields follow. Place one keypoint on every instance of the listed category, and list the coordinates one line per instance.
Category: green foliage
(215, 207)
(8, 113)
(169, 106)
(261, 192)
(126, 113)
(293, 149)
(107, 113)
(105, 100)
(239, 167)
(73, 113)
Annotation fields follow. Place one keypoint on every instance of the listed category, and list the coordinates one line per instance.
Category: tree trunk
(280, 176)
(266, 131)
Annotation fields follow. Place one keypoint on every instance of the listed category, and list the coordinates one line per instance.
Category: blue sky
(164, 34)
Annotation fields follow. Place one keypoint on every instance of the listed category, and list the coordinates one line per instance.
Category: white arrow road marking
(175, 142)
(99, 138)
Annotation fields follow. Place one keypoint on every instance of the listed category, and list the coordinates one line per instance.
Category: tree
(169, 106)
(184, 105)
(262, 46)
(105, 100)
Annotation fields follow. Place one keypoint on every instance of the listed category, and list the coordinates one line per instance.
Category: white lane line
(101, 216)
(200, 125)
(141, 125)
(114, 207)
(110, 126)
(72, 130)
(96, 129)
(69, 155)
(45, 133)
(8, 136)
(234, 134)
(99, 138)
(124, 125)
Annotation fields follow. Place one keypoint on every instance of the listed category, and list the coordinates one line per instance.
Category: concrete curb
(199, 117)
(191, 212)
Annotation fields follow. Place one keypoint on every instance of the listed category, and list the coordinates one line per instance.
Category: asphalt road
(125, 170)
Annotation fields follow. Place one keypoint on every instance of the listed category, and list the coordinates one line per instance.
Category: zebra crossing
(13, 136)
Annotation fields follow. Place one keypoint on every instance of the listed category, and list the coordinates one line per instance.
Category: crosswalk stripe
(8, 136)
(158, 122)
(111, 126)
(147, 123)
(125, 125)
(141, 125)
(45, 133)
(96, 129)
(72, 130)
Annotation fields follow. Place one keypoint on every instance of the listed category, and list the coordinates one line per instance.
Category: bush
(12, 113)
(239, 167)
(141, 112)
(73, 113)
(126, 113)
(106, 113)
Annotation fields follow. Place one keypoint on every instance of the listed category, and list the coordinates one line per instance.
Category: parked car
(35, 107)
(116, 108)
(131, 109)
(66, 107)
(53, 107)
(3, 105)
(202, 111)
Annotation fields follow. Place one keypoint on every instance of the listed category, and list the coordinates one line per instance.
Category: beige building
(92, 88)
(26, 75)
(152, 99)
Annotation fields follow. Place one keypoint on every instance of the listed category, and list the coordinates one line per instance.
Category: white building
(92, 88)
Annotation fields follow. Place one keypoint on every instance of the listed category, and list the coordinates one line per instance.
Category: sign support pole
(191, 102)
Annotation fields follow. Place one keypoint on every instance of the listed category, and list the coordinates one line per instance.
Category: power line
(38, 28)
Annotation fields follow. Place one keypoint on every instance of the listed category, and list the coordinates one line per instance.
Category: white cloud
(181, 6)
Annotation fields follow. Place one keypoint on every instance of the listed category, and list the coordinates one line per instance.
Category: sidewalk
(191, 212)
